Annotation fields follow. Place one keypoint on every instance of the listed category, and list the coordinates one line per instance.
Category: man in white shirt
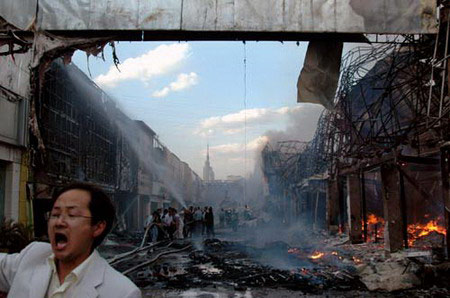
(178, 223)
(81, 217)
(167, 219)
(148, 220)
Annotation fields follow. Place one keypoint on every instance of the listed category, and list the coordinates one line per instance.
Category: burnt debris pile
(178, 265)
(239, 266)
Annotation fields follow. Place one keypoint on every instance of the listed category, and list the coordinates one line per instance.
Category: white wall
(12, 157)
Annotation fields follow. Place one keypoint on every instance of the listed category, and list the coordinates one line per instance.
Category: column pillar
(393, 236)
(354, 208)
(332, 212)
(445, 170)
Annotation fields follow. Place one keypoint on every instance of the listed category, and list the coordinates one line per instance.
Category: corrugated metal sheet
(342, 16)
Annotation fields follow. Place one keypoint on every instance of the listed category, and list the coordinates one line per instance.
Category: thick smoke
(270, 229)
(301, 126)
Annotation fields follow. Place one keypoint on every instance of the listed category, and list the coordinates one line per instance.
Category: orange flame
(356, 260)
(375, 227)
(416, 231)
(317, 255)
(372, 219)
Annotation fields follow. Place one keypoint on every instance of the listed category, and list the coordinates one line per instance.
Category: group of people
(164, 224)
(199, 221)
(229, 218)
(171, 224)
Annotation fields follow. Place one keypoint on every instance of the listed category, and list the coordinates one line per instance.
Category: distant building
(224, 193)
(234, 178)
(208, 173)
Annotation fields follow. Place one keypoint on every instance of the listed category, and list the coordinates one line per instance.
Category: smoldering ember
(360, 209)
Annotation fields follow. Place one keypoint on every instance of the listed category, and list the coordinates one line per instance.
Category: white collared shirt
(168, 220)
(57, 290)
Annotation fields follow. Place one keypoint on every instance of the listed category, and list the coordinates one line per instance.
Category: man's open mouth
(60, 240)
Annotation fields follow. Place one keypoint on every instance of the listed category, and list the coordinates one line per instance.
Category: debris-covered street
(204, 148)
(243, 264)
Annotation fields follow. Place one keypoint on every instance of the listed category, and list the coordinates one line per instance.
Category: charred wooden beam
(416, 185)
(333, 203)
(343, 221)
(316, 210)
(391, 189)
(445, 170)
(368, 164)
(403, 207)
(364, 203)
(354, 208)
(418, 160)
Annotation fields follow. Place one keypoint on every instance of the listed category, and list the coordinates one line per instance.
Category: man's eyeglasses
(65, 217)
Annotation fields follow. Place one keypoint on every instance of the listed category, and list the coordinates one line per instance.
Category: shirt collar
(79, 270)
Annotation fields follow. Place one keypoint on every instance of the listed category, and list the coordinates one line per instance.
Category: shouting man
(81, 217)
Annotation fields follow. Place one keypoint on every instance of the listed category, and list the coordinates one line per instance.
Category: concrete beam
(318, 16)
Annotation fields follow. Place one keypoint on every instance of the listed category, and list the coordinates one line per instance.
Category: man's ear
(99, 228)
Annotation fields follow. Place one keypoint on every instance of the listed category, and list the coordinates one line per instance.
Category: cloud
(227, 148)
(231, 158)
(233, 131)
(236, 158)
(156, 62)
(183, 81)
(238, 148)
(233, 123)
(235, 119)
(161, 93)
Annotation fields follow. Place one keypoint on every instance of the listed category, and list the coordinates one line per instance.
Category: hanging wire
(245, 121)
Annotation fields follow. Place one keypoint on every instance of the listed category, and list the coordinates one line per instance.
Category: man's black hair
(100, 205)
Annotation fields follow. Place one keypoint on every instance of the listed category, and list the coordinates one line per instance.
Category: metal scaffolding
(80, 139)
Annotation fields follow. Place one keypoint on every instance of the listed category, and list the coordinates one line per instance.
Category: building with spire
(208, 173)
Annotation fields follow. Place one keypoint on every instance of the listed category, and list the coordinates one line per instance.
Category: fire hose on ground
(132, 269)
(137, 250)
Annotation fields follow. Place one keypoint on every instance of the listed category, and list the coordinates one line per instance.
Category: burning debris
(317, 255)
(431, 234)
(427, 235)
(338, 267)
(232, 264)
(375, 228)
